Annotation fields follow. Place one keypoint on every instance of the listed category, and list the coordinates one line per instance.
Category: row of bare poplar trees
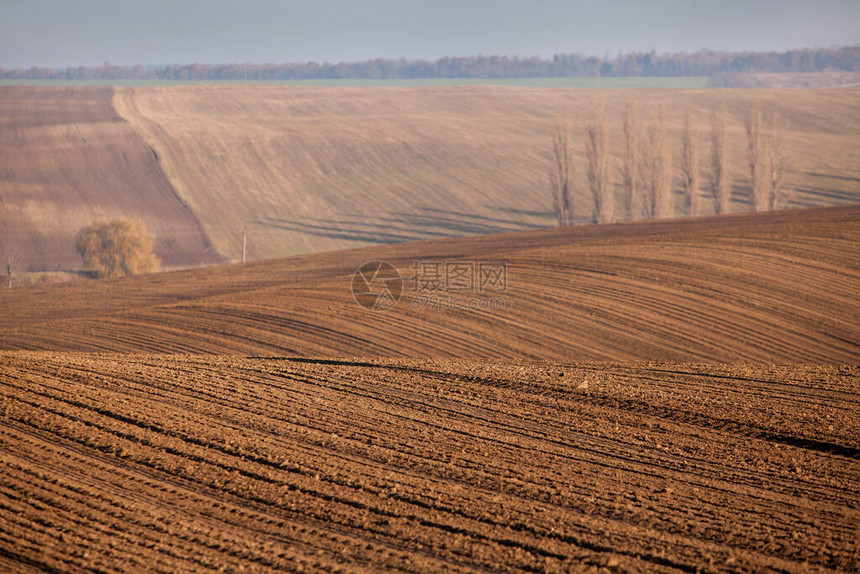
(646, 174)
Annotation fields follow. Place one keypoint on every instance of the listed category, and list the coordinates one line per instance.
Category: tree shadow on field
(810, 196)
(833, 176)
(543, 214)
(399, 227)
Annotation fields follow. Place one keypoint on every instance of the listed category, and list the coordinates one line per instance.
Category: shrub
(116, 248)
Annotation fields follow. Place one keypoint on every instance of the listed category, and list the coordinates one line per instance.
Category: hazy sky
(59, 33)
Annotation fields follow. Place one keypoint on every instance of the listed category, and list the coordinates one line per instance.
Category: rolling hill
(240, 422)
(680, 395)
(67, 160)
(310, 169)
(774, 287)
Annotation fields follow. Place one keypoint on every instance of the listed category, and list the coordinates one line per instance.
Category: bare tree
(719, 177)
(633, 169)
(690, 164)
(561, 173)
(646, 172)
(660, 169)
(10, 258)
(598, 166)
(757, 157)
(776, 160)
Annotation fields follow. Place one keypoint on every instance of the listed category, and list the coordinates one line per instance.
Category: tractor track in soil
(181, 463)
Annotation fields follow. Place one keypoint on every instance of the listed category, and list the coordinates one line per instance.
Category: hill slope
(312, 169)
(777, 287)
(68, 159)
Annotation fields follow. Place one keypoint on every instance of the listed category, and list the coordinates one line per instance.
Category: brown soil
(777, 287)
(68, 159)
(154, 463)
(288, 461)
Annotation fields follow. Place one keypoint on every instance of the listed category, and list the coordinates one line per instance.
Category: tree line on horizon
(647, 185)
(700, 63)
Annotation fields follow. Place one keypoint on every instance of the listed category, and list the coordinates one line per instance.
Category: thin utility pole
(244, 241)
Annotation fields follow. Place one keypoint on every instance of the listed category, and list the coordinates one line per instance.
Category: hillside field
(68, 159)
(312, 169)
(307, 169)
(591, 424)
(777, 287)
(677, 396)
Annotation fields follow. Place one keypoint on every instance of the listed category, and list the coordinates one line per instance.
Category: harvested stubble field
(314, 169)
(187, 463)
(309, 169)
(68, 159)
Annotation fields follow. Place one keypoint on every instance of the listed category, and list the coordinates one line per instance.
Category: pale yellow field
(66, 160)
(311, 169)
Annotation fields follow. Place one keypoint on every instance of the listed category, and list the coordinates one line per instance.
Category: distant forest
(701, 63)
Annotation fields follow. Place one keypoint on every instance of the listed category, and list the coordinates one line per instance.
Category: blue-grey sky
(60, 33)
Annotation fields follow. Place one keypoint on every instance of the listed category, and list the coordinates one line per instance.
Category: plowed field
(591, 422)
(778, 287)
(154, 463)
